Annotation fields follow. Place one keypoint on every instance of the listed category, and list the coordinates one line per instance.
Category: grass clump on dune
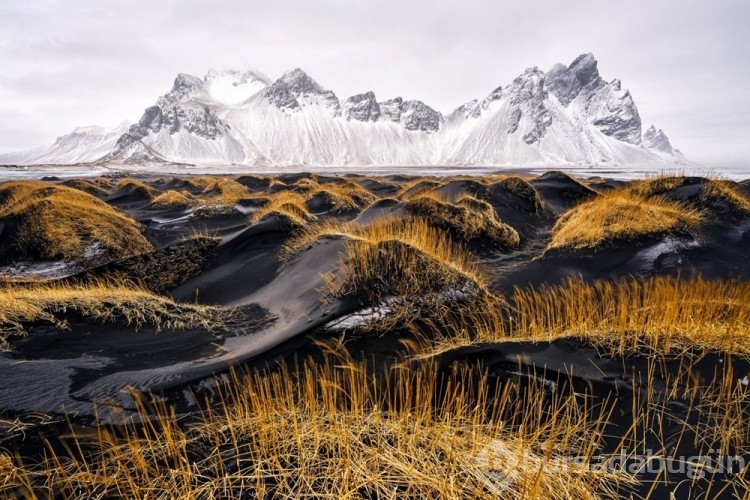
(210, 196)
(101, 301)
(621, 214)
(53, 222)
(727, 193)
(172, 199)
(404, 257)
(711, 193)
(340, 196)
(93, 188)
(134, 186)
(288, 205)
(523, 190)
(402, 265)
(219, 195)
(418, 187)
(343, 197)
(469, 218)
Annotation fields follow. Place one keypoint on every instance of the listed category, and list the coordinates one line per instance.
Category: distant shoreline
(18, 172)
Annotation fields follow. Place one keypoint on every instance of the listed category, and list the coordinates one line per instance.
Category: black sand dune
(243, 269)
(275, 307)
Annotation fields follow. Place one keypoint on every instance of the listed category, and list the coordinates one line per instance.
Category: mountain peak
(299, 82)
(567, 82)
(657, 139)
(231, 86)
(185, 86)
(237, 76)
(289, 91)
(362, 107)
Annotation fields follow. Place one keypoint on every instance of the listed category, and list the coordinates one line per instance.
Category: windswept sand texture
(372, 337)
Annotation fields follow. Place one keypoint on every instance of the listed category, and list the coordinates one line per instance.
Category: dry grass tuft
(418, 187)
(14, 481)
(726, 193)
(134, 186)
(404, 266)
(469, 218)
(54, 222)
(103, 301)
(712, 192)
(409, 254)
(618, 214)
(643, 208)
(344, 197)
(521, 188)
(287, 204)
(93, 188)
(217, 196)
(173, 199)
(656, 186)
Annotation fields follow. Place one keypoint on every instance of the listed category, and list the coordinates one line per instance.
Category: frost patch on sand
(670, 245)
(47, 269)
(93, 251)
(363, 316)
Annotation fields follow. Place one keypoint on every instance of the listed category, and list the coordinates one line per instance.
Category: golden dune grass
(88, 186)
(173, 199)
(399, 258)
(417, 187)
(287, 204)
(406, 267)
(641, 209)
(120, 301)
(219, 195)
(662, 314)
(469, 217)
(727, 192)
(522, 188)
(620, 214)
(334, 433)
(344, 196)
(411, 256)
(413, 232)
(60, 222)
(134, 185)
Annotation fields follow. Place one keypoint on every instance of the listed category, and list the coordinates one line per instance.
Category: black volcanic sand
(278, 312)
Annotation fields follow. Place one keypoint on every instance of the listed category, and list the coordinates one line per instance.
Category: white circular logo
(497, 466)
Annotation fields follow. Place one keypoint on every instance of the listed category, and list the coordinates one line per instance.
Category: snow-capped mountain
(657, 142)
(84, 144)
(567, 115)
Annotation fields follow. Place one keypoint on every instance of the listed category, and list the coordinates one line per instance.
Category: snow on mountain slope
(84, 144)
(295, 120)
(567, 116)
(230, 87)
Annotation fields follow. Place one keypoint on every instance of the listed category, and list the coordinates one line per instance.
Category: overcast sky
(66, 63)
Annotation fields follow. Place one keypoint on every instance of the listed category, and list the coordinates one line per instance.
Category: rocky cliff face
(362, 107)
(527, 96)
(606, 105)
(413, 115)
